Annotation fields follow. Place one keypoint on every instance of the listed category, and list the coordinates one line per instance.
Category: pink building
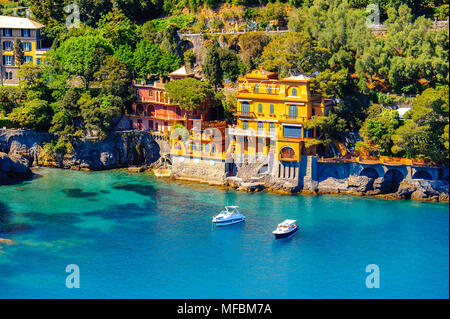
(153, 110)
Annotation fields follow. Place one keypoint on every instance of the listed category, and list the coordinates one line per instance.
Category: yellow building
(28, 31)
(271, 113)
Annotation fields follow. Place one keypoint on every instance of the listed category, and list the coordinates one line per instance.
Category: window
(294, 92)
(7, 32)
(26, 33)
(28, 59)
(245, 125)
(245, 108)
(293, 112)
(260, 126)
(213, 148)
(271, 127)
(260, 110)
(8, 60)
(8, 46)
(206, 148)
(38, 61)
(309, 133)
(256, 88)
(26, 46)
(272, 109)
(243, 86)
(8, 75)
(313, 111)
(269, 90)
(292, 131)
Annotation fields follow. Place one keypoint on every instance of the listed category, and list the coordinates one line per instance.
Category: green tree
(423, 134)
(10, 98)
(81, 56)
(379, 128)
(190, 93)
(212, 69)
(294, 52)
(117, 29)
(35, 114)
(98, 114)
(150, 59)
(31, 81)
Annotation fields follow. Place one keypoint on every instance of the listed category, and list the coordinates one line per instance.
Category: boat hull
(228, 222)
(288, 234)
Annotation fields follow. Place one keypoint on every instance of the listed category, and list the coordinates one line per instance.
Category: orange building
(154, 110)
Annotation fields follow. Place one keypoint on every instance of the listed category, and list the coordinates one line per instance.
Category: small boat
(285, 229)
(229, 216)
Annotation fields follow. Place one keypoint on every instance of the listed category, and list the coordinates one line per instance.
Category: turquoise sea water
(136, 237)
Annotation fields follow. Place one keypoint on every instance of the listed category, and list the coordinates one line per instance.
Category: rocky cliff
(13, 169)
(120, 149)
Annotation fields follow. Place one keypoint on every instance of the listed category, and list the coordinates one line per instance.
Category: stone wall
(208, 171)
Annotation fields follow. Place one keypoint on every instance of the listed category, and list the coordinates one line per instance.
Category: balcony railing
(244, 114)
(259, 133)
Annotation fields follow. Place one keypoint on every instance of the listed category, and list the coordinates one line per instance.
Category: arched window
(256, 88)
(287, 153)
(294, 92)
(260, 109)
(272, 109)
(213, 148)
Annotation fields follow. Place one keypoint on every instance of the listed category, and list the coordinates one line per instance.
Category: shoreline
(227, 186)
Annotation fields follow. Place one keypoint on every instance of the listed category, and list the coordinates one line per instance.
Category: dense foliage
(85, 86)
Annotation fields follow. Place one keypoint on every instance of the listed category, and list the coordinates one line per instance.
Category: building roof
(8, 22)
(183, 71)
(261, 74)
(299, 77)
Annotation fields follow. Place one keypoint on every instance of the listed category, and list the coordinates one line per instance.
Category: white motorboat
(285, 229)
(229, 216)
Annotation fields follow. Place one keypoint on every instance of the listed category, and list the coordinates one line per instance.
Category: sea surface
(133, 236)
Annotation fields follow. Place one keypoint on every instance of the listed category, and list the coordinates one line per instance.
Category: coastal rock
(333, 186)
(381, 186)
(423, 190)
(12, 169)
(120, 149)
(360, 184)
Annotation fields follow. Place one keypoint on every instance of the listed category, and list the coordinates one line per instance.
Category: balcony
(244, 114)
(259, 133)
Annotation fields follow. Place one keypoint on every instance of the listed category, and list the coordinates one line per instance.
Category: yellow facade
(28, 32)
(271, 113)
